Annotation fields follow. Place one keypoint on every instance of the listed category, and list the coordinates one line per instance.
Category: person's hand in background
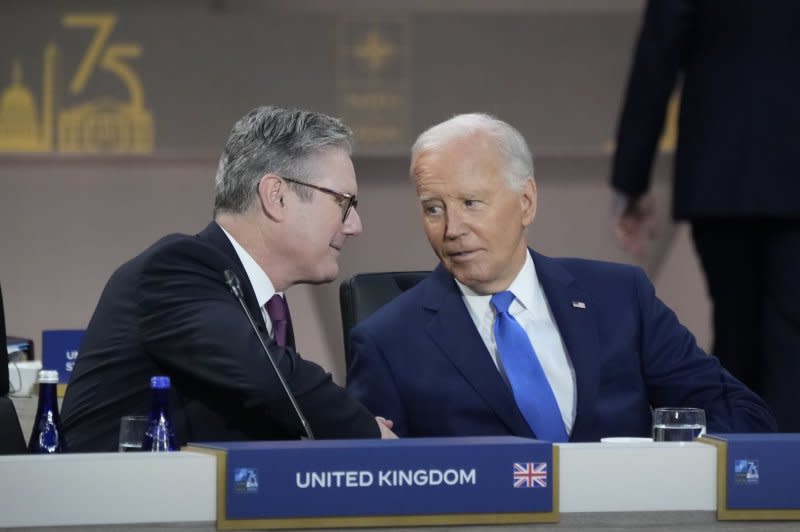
(634, 222)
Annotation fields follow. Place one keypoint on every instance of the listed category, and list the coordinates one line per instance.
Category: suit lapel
(215, 236)
(575, 318)
(452, 329)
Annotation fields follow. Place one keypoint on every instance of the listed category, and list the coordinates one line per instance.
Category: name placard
(59, 351)
(338, 483)
(757, 476)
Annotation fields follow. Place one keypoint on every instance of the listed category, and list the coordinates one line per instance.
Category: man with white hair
(499, 339)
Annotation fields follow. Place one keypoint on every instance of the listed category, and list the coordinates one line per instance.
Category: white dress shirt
(531, 310)
(261, 283)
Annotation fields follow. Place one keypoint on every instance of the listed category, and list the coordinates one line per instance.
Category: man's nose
(352, 224)
(454, 225)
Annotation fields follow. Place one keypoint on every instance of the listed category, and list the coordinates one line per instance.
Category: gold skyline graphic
(105, 124)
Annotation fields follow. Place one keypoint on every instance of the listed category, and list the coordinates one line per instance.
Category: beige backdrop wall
(68, 221)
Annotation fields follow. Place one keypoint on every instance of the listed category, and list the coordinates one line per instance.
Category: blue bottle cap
(160, 382)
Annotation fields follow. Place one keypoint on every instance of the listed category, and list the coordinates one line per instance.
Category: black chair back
(4, 387)
(12, 441)
(364, 293)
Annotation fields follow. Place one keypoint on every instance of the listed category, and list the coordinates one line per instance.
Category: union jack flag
(530, 475)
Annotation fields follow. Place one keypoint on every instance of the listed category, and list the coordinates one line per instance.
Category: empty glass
(678, 424)
(131, 433)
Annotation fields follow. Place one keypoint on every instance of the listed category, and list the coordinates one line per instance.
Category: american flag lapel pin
(579, 304)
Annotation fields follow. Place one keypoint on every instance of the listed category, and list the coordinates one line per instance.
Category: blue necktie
(529, 384)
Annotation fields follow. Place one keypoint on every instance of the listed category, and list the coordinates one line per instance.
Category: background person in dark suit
(284, 206)
(737, 172)
(435, 361)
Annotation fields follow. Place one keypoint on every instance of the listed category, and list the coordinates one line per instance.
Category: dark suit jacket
(420, 361)
(739, 125)
(4, 384)
(169, 312)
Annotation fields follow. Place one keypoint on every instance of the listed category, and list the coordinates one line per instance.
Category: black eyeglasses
(346, 201)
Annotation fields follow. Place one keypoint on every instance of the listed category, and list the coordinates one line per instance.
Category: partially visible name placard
(59, 351)
(757, 476)
(415, 481)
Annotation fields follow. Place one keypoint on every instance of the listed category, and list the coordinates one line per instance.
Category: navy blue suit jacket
(421, 362)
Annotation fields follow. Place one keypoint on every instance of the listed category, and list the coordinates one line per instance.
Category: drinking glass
(678, 424)
(131, 433)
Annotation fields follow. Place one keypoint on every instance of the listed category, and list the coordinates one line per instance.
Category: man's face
(318, 231)
(474, 221)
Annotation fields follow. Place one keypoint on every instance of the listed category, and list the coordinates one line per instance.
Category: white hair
(511, 145)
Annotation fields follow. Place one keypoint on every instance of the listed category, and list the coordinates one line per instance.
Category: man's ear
(271, 192)
(527, 198)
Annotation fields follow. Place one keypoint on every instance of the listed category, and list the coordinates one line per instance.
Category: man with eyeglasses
(285, 203)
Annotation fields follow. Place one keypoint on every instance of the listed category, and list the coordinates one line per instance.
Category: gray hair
(271, 140)
(511, 145)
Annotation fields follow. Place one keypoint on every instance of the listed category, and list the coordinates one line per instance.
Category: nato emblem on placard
(245, 480)
(745, 471)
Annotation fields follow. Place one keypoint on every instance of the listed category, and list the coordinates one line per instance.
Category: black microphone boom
(233, 283)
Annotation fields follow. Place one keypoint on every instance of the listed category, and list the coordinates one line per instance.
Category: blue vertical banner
(59, 351)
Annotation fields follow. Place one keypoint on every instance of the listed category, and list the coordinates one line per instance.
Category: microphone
(236, 288)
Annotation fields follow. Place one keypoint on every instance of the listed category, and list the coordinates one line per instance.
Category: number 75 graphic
(108, 57)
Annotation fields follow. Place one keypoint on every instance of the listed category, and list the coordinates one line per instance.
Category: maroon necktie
(278, 312)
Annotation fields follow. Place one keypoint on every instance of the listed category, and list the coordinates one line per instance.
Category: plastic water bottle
(160, 435)
(47, 436)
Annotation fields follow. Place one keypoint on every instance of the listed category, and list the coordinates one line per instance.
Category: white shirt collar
(523, 287)
(531, 310)
(261, 283)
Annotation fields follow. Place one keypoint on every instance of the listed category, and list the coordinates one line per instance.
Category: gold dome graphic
(20, 127)
(19, 124)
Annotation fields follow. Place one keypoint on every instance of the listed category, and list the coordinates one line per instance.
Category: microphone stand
(233, 283)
